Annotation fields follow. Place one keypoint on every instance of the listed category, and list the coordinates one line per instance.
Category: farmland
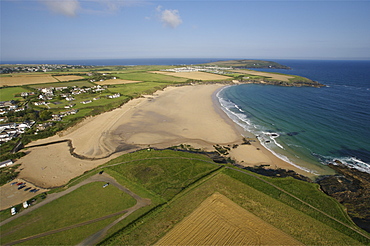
(117, 82)
(68, 77)
(264, 74)
(27, 79)
(195, 75)
(228, 223)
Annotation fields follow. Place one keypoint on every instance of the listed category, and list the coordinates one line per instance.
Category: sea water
(306, 124)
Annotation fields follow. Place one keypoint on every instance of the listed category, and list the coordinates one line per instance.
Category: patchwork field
(271, 75)
(228, 223)
(195, 75)
(27, 79)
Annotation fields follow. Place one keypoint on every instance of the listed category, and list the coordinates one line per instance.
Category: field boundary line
(300, 200)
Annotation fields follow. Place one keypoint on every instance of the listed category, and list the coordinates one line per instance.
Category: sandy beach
(176, 115)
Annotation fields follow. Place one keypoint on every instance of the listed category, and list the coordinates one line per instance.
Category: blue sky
(117, 29)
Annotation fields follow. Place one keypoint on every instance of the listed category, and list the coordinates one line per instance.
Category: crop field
(195, 75)
(86, 203)
(116, 82)
(270, 75)
(68, 77)
(29, 79)
(11, 93)
(228, 223)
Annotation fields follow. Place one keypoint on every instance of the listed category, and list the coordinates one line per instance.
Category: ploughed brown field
(272, 75)
(195, 75)
(26, 79)
(220, 221)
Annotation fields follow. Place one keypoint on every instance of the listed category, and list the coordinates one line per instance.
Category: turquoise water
(304, 124)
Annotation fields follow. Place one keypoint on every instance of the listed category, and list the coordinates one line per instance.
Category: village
(208, 69)
(40, 102)
(5, 69)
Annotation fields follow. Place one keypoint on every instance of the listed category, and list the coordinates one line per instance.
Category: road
(93, 239)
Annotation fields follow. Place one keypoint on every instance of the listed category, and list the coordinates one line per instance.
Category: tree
(45, 115)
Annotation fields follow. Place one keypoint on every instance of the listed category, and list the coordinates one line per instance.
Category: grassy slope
(86, 203)
(191, 179)
(282, 211)
(294, 222)
(12, 93)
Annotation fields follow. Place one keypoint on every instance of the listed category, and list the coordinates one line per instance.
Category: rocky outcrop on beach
(351, 188)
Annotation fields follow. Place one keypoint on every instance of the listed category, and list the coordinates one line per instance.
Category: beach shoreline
(176, 115)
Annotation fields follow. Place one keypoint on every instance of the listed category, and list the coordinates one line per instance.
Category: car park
(21, 187)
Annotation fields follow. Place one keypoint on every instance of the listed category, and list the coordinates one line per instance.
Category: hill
(248, 64)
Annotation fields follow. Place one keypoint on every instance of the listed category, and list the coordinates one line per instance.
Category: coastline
(256, 154)
(175, 115)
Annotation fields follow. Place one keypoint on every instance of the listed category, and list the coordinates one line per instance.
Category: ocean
(309, 127)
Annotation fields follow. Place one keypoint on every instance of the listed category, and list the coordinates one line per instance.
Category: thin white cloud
(169, 17)
(64, 7)
(73, 7)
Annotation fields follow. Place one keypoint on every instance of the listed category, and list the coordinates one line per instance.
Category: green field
(149, 77)
(63, 84)
(86, 203)
(12, 93)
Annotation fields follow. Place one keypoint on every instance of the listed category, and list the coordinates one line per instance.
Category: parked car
(27, 189)
(21, 187)
(13, 211)
(105, 185)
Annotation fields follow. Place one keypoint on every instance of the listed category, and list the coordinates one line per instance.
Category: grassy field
(166, 176)
(149, 77)
(86, 203)
(274, 76)
(63, 84)
(12, 93)
(195, 75)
